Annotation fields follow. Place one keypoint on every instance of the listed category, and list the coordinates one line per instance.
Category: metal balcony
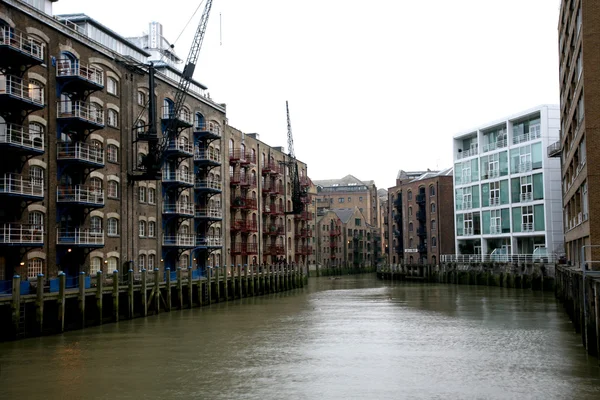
(209, 186)
(305, 181)
(209, 213)
(422, 248)
(248, 182)
(527, 227)
(421, 216)
(304, 216)
(209, 241)
(182, 240)
(80, 237)
(75, 76)
(335, 232)
(17, 48)
(80, 195)
(207, 157)
(248, 159)
(273, 229)
(21, 235)
(207, 130)
(244, 248)
(421, 231)
(18, 94)
(420, 198)
(183, 120)
(526, 197)
(554, 149)
(237, 155)
(304, 250)
(19, 186)
(80, 115)
(21, 139)
(268, 167)
(524, 166)
(178, 178)
(244, 202)
(179, 148)
(179, 208)
(276, 190)
(80, 152)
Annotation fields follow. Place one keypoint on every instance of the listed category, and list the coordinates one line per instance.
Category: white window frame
(112, 227)
(95, 265)
(112, 86)
(142, 194)
(112, 118)
(113, 189)
(151, 261)
(142, 228)
(494, 193)
(35, 266)
(151, 196)
(151, 229)
(527, 222)
(112, 153)
(141, 262)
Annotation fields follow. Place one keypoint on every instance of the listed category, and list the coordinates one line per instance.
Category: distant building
(507, 190)
(420, 217)
(578, 43)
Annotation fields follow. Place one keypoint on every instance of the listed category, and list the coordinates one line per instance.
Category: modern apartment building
(579, 39)
(506, 189)
(420, 217)
(73, 114)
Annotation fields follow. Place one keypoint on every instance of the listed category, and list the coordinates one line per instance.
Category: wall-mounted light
(68, 250)
(22, 263)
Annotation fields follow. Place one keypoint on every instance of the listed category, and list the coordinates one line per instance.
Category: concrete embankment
(333, 271)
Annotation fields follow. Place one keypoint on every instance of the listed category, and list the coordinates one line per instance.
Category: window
(112, 86)
(112, 152)
(433, 224)
(112, 264)
(113, 118)
(151, 261)
(35, 266)
(36, 175)
(141, 262)
(527, 219)
(142, 229)
(432, 190)
(151, 229)
(410, 211)
(526, 188)
(36, 133)
(494, 193)
(112, 227)
(95, 265)
(432, 207)
(495, 221)
(95, 226)
(409, 195)
(141, 98)
(360, 199)
(410, 227)
(96, 186)
(36, 91)
(357, 221)
(113, 189)
(36, 219)
(151, 196)
(468, 224)
(341, 200)
(142, 194)
(433, 241)
(349, 199)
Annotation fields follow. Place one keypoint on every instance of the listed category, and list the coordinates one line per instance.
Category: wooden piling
(99, 288)
(209, 285)
(15, 304)
(115, 296)
(62, 281)
(144, 293)
(39, 304)
(81, 299)
(179, 288)
(168, 275)
(157, 281)
(191, 287)
(217, 285)
(130, 298)
(239, 280)
(246, 280)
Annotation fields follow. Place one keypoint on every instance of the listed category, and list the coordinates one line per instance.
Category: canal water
(348, 338)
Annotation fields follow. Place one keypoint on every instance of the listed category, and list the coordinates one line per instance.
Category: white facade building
(507, 194)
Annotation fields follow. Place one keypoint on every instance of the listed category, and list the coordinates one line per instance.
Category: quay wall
(113, 298)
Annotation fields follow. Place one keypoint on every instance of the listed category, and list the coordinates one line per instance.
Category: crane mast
(292, 163)
(152, 163)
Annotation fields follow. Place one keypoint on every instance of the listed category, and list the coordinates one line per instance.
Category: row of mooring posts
(85, 302)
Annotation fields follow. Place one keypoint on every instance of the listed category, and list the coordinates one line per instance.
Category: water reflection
(351, 338)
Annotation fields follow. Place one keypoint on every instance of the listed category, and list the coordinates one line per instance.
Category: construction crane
(292, 163)
(151, 164)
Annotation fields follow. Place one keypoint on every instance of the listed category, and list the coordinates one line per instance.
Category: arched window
(151, 261)
(410, 227)
(142, 194)
(141, 262)
(36, 175)
(151, 229)
(36, 91)
(112, 227)
(140, 158)
(95, 265)
(151, 196)
(184, 261)
(112, 265)
(410, 211)
(433, 224)
(35, 266)
(199, 121)
(112, 152)
(142, 229)
(231, 147)
(113, 189)
(36, 134)
(96, 226)
(96, 113)
(96, 185)
(67, 64)
(409, 195)
(410, 243)
(432, 207)
(431, 190)
(113, 118)
(36, 220)
(186, 115)
(433, 241)
(112, 86)
(168, 106)
(141, 98)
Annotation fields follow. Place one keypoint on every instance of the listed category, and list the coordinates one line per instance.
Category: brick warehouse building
(420, 217)
(579, 68)
(72, 102)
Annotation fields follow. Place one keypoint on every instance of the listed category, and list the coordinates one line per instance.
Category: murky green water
(351, 338)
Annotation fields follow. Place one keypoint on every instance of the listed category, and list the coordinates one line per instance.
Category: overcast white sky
(374, 86)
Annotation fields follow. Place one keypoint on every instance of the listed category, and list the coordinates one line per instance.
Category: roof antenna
(220, 32)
